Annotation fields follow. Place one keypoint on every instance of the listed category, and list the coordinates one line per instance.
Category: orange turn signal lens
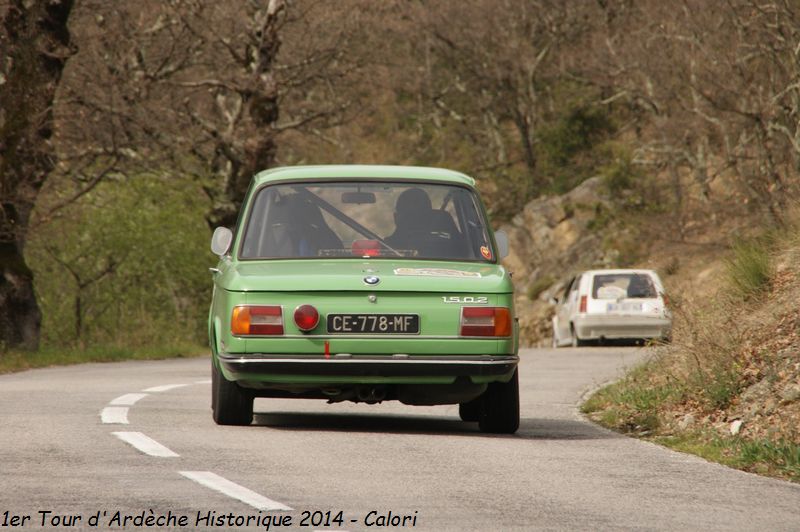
(257, 320)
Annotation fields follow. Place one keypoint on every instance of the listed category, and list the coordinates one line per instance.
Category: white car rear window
(623, 285)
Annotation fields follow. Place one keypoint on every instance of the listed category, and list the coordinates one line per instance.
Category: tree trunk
(261, 106)
(34, 46)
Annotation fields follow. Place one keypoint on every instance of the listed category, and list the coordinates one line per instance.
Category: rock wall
(552, 238)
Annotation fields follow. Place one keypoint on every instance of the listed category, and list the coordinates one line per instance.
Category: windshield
(357, 219)
(623, 285)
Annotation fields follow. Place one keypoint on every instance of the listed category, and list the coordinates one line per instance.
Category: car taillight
(485, 321)
(306, 317)
(665, 298)
(582, 307)
(257, 319)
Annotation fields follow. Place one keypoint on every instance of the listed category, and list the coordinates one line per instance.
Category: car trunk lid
(365, 275)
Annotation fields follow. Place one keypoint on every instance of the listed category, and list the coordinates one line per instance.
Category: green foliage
(620, 174)
(783, 454)
(725, 384)
(603, 217)
(749, 268)
(570, 145)
(632, 404)
(576, 131)
(125, 265)
(780, 458)
(11, 361)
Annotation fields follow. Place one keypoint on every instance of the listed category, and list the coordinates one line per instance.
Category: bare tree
(505, 57)
(203, 88)
(34, 47)
(719, 83)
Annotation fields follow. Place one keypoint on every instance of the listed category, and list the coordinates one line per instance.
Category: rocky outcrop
(552, 238)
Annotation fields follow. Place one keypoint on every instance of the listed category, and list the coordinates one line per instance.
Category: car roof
(618, 271)
(363, 171)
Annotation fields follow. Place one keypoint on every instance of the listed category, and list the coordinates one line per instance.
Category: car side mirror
(501, 238)
(221, 241)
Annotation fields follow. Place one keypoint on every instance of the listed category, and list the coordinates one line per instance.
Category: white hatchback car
(600, 305)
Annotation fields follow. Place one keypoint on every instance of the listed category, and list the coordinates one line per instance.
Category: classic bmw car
(365, 284)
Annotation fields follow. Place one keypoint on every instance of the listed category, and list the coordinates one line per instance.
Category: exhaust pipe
(371, 394)
(337, 395)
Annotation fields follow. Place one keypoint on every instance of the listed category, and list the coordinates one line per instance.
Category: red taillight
(257, 319)
(582, 308)
(485, 321)
(306, 317)
(366, 248)
(665, 297)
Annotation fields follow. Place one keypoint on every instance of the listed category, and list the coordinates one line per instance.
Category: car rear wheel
(577, 342)
(471, 410)
(499, 411)
(231, 404)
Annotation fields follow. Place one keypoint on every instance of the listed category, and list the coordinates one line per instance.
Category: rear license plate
(373, 323)
(624, 307)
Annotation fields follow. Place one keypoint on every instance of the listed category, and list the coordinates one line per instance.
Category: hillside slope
(556, 237)
(728, 388)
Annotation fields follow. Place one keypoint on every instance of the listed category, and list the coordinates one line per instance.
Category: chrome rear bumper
(590, 327)
(398, 365)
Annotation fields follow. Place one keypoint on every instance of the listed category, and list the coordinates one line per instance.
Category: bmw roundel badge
(372, 279)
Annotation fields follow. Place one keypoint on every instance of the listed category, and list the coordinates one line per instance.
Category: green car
(365, 284)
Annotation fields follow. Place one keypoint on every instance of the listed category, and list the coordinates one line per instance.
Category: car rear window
(623, 285)
(398, 220)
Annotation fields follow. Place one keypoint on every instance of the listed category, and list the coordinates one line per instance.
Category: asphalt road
(65, 448)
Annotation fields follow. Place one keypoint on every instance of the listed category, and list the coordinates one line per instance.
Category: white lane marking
(128, 399)
(207, 381)
(164, 388)
(231, 489)
(114, 414)
(145, 444)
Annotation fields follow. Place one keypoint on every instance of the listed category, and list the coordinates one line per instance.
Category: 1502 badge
(475, 300)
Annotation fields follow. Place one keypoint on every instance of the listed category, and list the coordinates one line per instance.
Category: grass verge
(12, 361)
(728, 387)
(749, 268)
(765, 457)
(631, 408)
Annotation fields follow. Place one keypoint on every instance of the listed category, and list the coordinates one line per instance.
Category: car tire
(577, 342)
(471, 410)
(231, 404)
(499, 412)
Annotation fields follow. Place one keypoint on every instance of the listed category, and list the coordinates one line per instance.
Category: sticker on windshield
(435, 272)
(486, 253)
